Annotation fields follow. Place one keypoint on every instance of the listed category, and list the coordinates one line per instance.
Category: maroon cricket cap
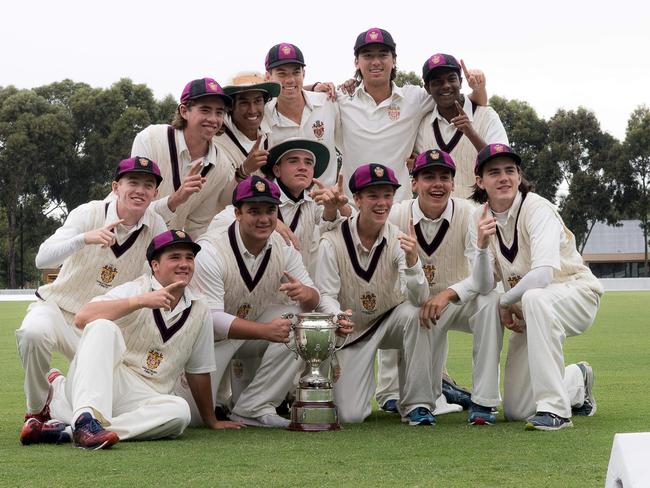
(372, 174)
(374, 35)
(432, 158)
(204, 87)
(437, 62)
(256, 189)
(492, 151)
(283, 53)
(170, 238)
(138, 164)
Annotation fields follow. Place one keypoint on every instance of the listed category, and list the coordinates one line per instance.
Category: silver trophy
(314, 340)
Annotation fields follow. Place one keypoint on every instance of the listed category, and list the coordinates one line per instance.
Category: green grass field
(380, 452)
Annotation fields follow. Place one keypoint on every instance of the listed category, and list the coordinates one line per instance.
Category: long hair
(178, 122)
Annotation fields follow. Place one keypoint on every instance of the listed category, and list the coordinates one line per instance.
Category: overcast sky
(555, 54)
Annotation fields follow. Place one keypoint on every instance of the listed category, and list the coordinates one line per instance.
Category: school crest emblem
(243, 310)
(429, 273)
(107, 275)
(143, 162)
(374, 35)
(435, 59)
(369, 302)
(498, 148)
(434, 155)
(319, 129)
(237, 368)
(260, 186)
(513, 280)
(180, 234)
(393, 112)
(379, 172)
(213, 87)
(154, 358)
(286, 50)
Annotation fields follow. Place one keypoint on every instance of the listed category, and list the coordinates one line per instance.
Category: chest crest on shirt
(393, 112)
(243, 310)
(107, 275)
(152, 361)
(319, 129)
(369, 302)
(429, 273)
(513, 280)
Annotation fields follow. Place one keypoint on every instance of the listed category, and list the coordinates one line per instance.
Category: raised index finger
(196, 168)
(112, 225)
(339, 183)
(256, 146)
(411, 228)
(459, 107)
(174, 286)
(289, 277)
(318, 183)
(486, 207)
(464, 68)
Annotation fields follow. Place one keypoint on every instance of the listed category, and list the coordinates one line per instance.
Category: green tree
(528, 136)
(637, 162)
(35, 137)
(587, 158)
(408, 78)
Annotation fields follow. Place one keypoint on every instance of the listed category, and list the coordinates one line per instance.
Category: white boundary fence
(610, 284)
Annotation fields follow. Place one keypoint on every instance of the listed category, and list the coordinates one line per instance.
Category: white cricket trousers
(535, 378)
(45, 329)
(274, 377)
(479, 317)
(121, 399)
(399, 330)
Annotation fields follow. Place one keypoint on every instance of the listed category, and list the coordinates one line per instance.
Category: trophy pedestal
(314, 411)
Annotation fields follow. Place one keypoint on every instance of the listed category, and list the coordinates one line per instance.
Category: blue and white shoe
(547, 421)
(390, 406)
(588, 408)
(455, 393)
(421, 416)
(480, 415)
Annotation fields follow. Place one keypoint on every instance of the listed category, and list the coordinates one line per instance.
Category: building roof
(606, 239)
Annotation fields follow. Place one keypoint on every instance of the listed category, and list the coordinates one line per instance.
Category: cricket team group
(401, 210)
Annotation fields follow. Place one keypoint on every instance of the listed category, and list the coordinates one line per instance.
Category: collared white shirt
(202, 358)
(69, 238)
(465, 289)
(242, 138)
(209, 266)
(328, 278)
(544, 229)
(495, 131)
(381, 133)
(142, 147)
(319, 122)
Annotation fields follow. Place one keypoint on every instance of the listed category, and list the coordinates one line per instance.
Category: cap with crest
(170, 238)
(204, 87)
(439, 62)
(374, 35)
(492, 151)
(372, 174)
(256, 189)
(138, 164)
(283, 53)
(433, 158)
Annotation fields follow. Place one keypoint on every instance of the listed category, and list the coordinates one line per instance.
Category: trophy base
(314, 416)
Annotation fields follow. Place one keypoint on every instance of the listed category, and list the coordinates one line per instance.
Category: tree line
(59, 144)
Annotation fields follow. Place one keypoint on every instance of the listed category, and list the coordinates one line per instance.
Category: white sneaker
(269, 420)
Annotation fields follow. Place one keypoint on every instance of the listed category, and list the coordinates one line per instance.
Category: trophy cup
(314, 337)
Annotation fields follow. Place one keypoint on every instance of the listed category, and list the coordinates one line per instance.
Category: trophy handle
(291, 317)
(339, 317)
